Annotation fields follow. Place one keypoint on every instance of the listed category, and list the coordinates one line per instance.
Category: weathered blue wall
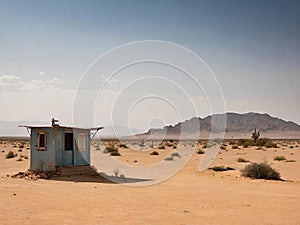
(42, 160)
(55, 154)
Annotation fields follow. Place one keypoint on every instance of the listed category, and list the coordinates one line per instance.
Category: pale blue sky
(252, 46)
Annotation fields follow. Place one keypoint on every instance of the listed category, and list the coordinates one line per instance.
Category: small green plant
(154, 153)
(279, 158)
(221, 168)
(261, 171)
(242, 160)
(10, 155)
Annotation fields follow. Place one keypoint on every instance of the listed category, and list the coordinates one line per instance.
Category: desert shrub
(291, 147)
(259, 148)
(115, 153)
(170, 158)
(154, 153)
(205, 146)
(161, 147)
(175, 154)
(223, 147)
(123, 146)
(20, 150)
(10, 155)
(200, 152)
(174, 147)
(111, 149)
(25, 157)
(221, 168)
(235, 147)
(231, 142)
(279, 158)
(242, 160)
(261, 171)
(20, 159)
(21, 146)
(268, 143)
(271, 144)
(246, 143)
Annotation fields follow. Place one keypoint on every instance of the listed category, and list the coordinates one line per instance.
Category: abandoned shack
(58, 146)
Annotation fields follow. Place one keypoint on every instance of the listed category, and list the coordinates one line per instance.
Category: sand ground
(189, 197)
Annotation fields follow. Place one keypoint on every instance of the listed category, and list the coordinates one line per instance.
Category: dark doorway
(68, 156)
(69, 141)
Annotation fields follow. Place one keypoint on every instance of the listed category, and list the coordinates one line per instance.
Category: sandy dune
(189, 197)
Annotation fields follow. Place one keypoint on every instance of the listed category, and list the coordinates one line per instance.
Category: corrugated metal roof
(62, 127)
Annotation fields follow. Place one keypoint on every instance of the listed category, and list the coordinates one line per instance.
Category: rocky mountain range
(236, 126)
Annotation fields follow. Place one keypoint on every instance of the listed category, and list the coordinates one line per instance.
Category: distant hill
(237, 126)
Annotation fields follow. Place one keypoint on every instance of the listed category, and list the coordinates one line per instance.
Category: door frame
(71, 151)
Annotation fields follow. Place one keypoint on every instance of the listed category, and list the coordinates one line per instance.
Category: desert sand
(189, 197)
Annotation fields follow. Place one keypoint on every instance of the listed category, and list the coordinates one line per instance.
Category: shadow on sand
(100, 178)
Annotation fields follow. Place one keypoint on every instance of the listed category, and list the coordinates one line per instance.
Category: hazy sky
(253, 47)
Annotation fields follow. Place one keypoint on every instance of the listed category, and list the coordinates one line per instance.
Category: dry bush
(200, 152)
(154, 153)
(279, 158)
(10, 155)
(242, 160)
(261, 171)
(221, 168)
